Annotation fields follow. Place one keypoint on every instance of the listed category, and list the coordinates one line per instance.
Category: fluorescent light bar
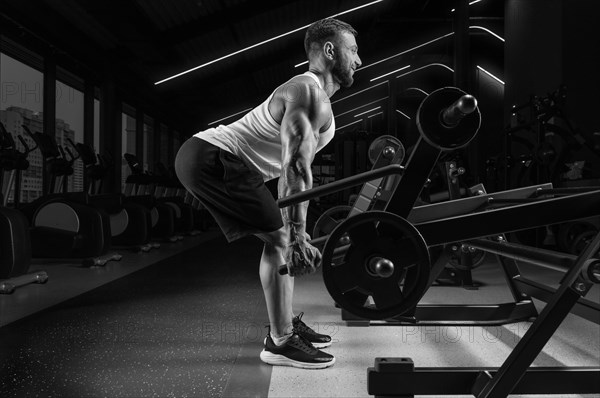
(370, 110)
(494, 77)
(392, 72)
(378, 113)
(227, 117)
(426, 66)
(403, 114)
(488, 31)
(417, 89)
(338, 115)
(261, 43)
(358, 92)
(473, 2)
(357, 8)
(349, 124)
(300, 64)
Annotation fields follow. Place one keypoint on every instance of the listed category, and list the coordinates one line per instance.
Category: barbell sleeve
(339, 185)
(320, 241)
(462, 107)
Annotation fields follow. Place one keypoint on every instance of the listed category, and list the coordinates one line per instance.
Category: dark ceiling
(144, 41)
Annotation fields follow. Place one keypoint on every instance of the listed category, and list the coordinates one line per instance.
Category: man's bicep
(297, 134)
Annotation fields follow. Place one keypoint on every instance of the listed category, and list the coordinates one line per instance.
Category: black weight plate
(385, 140)
(433, 130)
(329, 220)
(376, 234)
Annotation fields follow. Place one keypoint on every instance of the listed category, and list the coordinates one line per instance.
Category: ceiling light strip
(349, 124)
(355, 8)
(378, 113)
(358, 92)
(338, 115)
(365, 112)
(417, 89)
(259, 44)
(426, 66)
(488, 31)
(300, 64)
(403, 114)
(389, 73)
(473, 2)
(494, 77)
(227, 117)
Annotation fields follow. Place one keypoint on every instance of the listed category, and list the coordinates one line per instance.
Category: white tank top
(255, 138)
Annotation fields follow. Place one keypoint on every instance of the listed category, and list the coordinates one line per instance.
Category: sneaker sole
(321, 345)
(316, 345)
(280, 360)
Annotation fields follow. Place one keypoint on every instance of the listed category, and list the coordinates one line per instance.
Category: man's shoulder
(303, 90)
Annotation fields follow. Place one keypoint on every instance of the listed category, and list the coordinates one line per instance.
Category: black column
(170, 144)
(157, 142)
(462, 62)
(392, 126)
(533, 50)
(139, 135)
(88, 122)
(49, 118)
(110, 130)
(88, 113)
(581, 58)
(49, 95)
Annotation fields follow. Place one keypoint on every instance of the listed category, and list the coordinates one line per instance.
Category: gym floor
(188, 321)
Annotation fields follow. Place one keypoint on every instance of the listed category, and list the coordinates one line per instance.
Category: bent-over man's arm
(300, 126)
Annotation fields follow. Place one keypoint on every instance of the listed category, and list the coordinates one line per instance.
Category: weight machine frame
(474, 217)
(482, 216)
(399, 377)
(468, 220)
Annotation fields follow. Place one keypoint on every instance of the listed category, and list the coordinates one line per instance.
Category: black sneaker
(316, 339)
(296, 352)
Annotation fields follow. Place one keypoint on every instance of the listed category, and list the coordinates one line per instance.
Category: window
(21, 103)
(69, 124)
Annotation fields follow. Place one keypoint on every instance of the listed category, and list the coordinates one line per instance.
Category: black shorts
(234, 193)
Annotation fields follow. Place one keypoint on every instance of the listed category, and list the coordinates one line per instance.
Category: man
(225, 168)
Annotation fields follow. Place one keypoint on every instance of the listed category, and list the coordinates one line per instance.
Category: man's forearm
(291, 181)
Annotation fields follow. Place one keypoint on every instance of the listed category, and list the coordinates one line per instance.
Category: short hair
(325, 29)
